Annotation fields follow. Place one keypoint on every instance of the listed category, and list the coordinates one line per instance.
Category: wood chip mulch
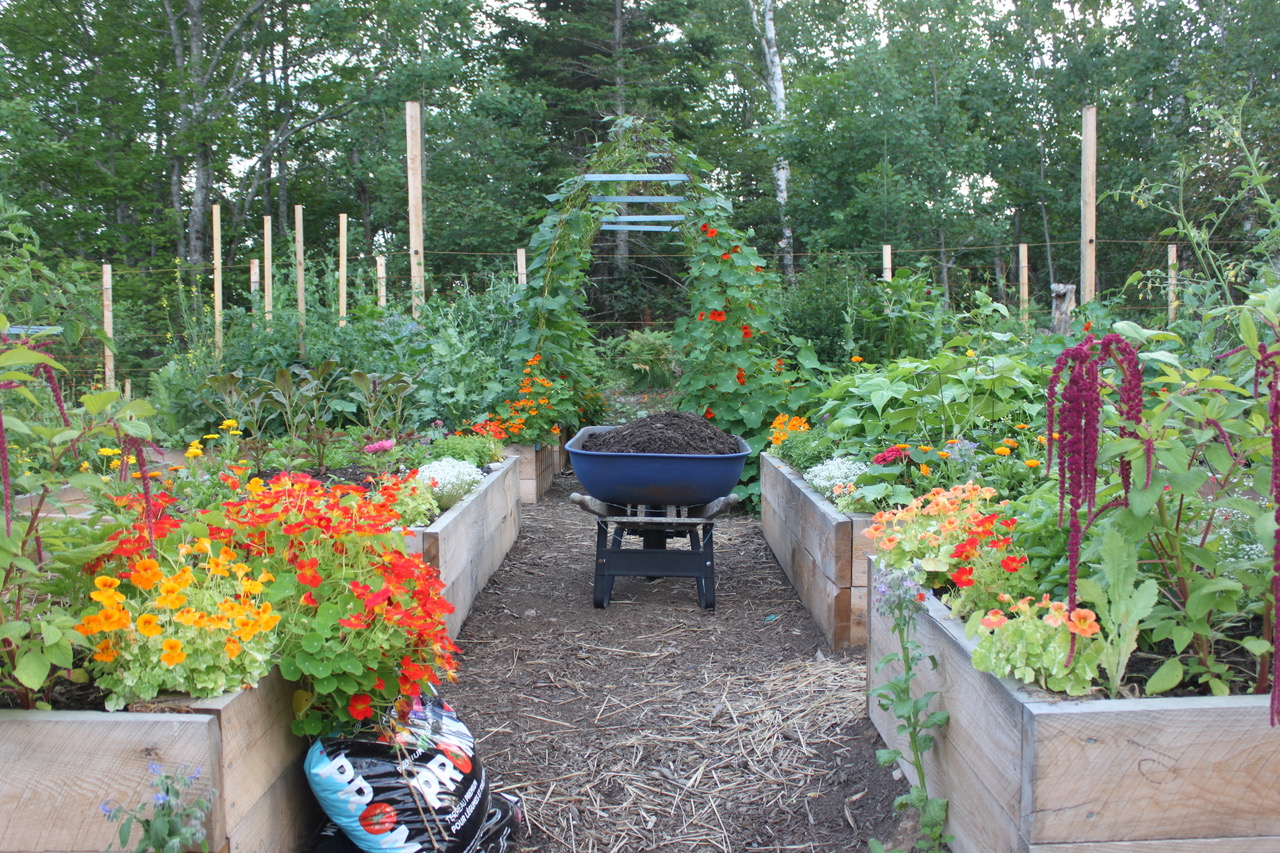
(653, 725)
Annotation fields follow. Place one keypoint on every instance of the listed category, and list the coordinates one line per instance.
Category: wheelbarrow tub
(655, 479)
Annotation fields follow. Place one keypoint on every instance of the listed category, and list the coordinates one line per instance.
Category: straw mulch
(653, 725)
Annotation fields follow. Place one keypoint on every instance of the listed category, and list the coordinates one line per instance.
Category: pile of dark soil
(680, 433)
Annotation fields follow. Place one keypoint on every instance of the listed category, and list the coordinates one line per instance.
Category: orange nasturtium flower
(172, 653)
(149, 625)
(1083, 621)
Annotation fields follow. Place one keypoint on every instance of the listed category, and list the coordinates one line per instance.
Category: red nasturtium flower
(1012, 564)
(746, 331)
(742, 376)
(361, 706)
(725, 256)
(718, 316)
(963, 576)
(712, 232)
(708, 414)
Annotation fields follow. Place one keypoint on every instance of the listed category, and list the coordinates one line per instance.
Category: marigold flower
(1003, 451)
(1032, 463)
(229, 424)
(1009, 442)
(856, 359)
(925, 469)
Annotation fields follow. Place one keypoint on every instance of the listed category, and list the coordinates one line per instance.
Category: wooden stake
(1173, 283)
(266, 268)
(886, 262)
(413, 148)
(380, 265)
(217, 281)
(342, 269)
(254, 277)
(108, 328)
(1024, 286)
(522, 268)
(299, 275)
(1088, 204)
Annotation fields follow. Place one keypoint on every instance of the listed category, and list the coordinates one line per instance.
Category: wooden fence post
(886, 262)
(1088, 204)
(380, 266)
(217, 281)
(266, 268)
(1173, 283)
(522, 268)
(1024, 286)
(108, 328)
(413, 158)
(299, 272)
(342, 269)
(254, 282)
(1064, 303)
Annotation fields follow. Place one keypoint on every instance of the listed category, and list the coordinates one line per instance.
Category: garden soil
(680, 433)
(653, 725)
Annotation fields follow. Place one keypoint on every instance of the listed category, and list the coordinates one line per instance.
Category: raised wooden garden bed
(61, 766)
(538, 466)
(822, 551)
(468, 542)
(1029, 772)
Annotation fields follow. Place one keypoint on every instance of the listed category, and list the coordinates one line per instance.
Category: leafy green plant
(645, 359)
(898, 595)
(170, 822)
(479, 450)
(1121, 604)
(1056, 650)
(36, 636)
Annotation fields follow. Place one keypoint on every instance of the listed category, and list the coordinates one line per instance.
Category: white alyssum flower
(453, 480)
(826, 475)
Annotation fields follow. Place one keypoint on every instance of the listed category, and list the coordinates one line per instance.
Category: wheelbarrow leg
(707, 580)
(603, 588)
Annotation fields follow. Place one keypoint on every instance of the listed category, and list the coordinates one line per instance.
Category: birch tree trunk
(762, 21)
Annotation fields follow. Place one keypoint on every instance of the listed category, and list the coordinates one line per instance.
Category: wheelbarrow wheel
(603, 591)
(706, 593)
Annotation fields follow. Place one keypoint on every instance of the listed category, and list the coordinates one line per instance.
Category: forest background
(949, 129)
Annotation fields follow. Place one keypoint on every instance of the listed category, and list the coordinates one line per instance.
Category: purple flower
(380, 446)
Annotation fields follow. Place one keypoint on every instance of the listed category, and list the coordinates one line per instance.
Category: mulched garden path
(653, 725)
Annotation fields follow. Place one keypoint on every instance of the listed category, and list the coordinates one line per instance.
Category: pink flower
(380, 446)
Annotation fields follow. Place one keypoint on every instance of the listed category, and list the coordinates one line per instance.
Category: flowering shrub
(956, 535)
(1031, 641)
(197, 620)
(450, 479)
(541, 407)
(360, 622)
